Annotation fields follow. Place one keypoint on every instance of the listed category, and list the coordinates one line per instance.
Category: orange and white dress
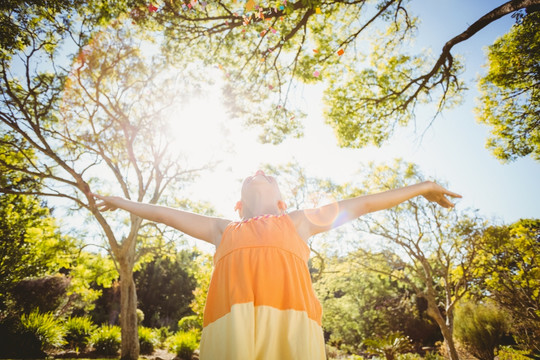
(261, 304)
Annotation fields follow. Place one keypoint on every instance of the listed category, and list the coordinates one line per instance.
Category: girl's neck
(260, 211)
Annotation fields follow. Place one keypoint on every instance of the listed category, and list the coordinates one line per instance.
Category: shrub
(480, 328)
(433, 356)
(40, 332)
(140, 316)
(47, 293)
(78, 332)
(183, 344)
(106, 340)
(508, 353)
(148, 340)
(163, 333)
(389, 346)
(189, 323)
(409, 356)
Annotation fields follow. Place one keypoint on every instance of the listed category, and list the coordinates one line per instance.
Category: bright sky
(452, 149)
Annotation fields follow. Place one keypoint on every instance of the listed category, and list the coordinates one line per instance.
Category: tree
(360, 304)
(360, 50)
(509, 273)
(510, 101)
(30, 242)
(88, 127)
(429, 248)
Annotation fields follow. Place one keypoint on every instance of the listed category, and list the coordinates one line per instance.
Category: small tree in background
(88, 127)
(509, 274)
(430, 248)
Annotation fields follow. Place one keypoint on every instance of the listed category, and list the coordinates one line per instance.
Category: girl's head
(260, 196)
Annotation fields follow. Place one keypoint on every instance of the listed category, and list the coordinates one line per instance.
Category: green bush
(184, 344)
(409, 356)
(148, 340)
(480, 328)
(163, 333)
(433, 356)
(78, 332)
(189, 323)
(140, 316)
(106, 340)
(41, 332)
(389, 346)
(508, 353)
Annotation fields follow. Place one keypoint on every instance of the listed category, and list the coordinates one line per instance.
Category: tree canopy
(358, 50)
(510, 101)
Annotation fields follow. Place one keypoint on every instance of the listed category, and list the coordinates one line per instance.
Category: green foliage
(510, 100)
(389, 346)
(411, 356)
(481, 328)
(358, 50)
(106, 340)
(51, 19)
(433, 356)
(78, 332)
(362, 103)
(165, 289)
(361, 302)
(163, 333)
(140, 316)
(148, 340)
(201, 270)
(42, 330)
(509, 271)
(189, 323)
(90, 273)
(509, 353)
(183, 344)
(30, 243)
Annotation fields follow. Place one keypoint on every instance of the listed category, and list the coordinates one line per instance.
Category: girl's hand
(107, 202)
(436, 193)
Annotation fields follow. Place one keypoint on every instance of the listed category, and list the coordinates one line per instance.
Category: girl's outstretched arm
(313, 221)
(202, 227)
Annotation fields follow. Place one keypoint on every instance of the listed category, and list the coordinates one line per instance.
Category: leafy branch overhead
(358, 48)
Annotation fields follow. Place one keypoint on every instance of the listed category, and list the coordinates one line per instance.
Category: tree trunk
(446, 330)
(128, 312)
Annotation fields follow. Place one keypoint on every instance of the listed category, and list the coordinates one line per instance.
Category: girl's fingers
(453, 194)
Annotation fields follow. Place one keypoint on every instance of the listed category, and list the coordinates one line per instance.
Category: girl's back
(261, 303)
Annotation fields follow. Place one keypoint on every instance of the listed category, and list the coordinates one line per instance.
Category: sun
(199, 130)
